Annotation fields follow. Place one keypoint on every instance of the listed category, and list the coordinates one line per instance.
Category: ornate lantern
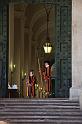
(47, 46)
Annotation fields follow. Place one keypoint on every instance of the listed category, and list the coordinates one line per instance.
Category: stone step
(40, 107)
(45, 121)
(36, 100)
(42, 117)
(39, 110)
(13, 113)
(35, 104)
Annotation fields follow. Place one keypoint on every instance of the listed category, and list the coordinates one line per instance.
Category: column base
(80, 100)
(74, 93)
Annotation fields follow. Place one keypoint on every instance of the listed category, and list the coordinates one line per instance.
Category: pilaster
(75, 91)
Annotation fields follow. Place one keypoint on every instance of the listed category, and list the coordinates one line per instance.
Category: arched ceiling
(36, 22)
(35, 19)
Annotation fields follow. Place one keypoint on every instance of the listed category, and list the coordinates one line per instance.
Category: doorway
(27, 36)
(61, 57)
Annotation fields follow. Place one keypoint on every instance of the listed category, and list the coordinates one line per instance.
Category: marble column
(17, 43)
(30, 48)
(19, 46)
(11, 41)
(22, 46)
(22, 86)
(76, 89)
(26, 52)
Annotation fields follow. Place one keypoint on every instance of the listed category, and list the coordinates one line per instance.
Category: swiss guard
(31, 84)
(47, 77)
